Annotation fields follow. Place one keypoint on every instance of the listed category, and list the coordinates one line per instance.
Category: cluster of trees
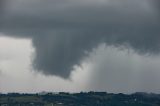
(81, 99)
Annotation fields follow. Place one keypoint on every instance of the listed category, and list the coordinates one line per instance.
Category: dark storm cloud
(2, 4)
(64, 31)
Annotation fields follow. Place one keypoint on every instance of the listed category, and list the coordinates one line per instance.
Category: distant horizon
(45, 93)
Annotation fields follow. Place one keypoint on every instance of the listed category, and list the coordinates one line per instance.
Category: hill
(80, 99)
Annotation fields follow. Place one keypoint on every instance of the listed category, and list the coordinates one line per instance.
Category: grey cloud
(121, 70)
(64, 31)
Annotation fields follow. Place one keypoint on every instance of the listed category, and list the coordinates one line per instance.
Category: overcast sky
(80, 45)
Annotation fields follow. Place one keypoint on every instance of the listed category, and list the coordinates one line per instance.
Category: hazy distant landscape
(79, 99)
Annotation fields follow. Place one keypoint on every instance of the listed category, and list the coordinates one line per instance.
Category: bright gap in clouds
(107, 68)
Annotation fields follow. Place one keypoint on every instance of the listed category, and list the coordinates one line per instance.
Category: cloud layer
(64, 32)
